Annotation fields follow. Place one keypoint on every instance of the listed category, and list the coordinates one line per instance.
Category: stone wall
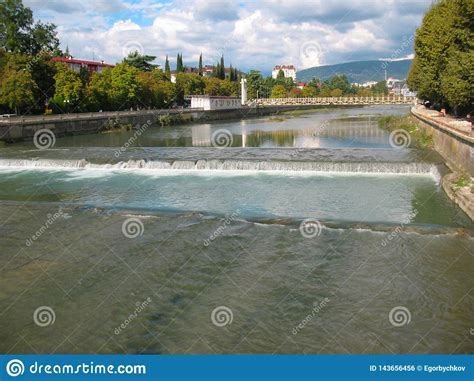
(455, 147)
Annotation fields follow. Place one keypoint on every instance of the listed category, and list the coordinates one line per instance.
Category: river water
(309, 233)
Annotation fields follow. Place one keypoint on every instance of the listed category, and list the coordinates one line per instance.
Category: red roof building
(76, 65)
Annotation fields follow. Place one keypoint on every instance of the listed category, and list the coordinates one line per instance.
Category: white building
(208, 102)
(288, 70)
(369, 83)
(391, 82)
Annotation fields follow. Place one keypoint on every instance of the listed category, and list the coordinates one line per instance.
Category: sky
(250, 34)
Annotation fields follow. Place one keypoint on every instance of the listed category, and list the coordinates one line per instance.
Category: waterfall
(233, 165)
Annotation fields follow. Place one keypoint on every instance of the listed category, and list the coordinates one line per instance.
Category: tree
(188, 84)
(20, 34)
(154, 91)
(69, 90)
(443, 70)
(200, 65)
(139, 61)
(42, 70)
(380, 88)
(221, 73)
(281, 74)
(97, 91)
(279, 91)
(179, 63)
(254, 84)
(17, 88)
(308, 92)
(338, 82)
(167, 68)
(336, 93)
(295, 93)
(124, 86)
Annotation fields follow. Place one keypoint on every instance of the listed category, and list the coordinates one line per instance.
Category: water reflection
(360, 132)
(334, 128)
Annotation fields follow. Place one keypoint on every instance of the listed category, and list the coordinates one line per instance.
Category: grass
(419, 137)
(462, 181)
(305, 111)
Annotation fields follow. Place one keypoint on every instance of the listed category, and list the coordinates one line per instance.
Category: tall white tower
(243, 90)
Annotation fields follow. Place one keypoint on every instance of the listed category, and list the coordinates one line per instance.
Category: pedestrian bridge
(393, 100)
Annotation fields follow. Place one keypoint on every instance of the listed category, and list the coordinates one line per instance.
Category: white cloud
(249, 34)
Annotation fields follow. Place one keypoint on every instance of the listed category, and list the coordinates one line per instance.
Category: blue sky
(250, 34)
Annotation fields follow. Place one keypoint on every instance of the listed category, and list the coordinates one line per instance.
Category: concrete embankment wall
(455, 147)
(24, 128)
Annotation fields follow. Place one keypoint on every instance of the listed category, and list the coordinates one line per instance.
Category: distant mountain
(358, 71)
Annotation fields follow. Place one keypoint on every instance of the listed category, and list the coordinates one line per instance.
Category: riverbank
(453, 140)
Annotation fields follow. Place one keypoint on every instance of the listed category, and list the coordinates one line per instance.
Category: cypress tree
(222, 68)
(200, 64)
(167, 67)
(179, 64)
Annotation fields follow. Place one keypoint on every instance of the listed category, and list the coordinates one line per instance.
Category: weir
(234, 165)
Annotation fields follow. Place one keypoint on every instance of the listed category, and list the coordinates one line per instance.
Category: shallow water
(136, 260)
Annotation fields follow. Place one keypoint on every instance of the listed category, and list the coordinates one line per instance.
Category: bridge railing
(334, 100)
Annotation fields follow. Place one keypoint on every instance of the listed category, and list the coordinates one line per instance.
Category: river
(305, 233)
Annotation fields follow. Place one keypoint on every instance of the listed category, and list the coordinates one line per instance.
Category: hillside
(358, 71)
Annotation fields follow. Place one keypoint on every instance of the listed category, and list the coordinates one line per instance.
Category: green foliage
(338, 82)
(17, 87)
(279, 91)
(167, 68)
(20, 34)
(462, 181)
(124, 86)
(309, 92)
(281, 74)
(419, 137)
(139, 61)
(97, 91)
(179, 63)
(69, 92)
(380, 88)
(188, 84)
(155, 91)
(443, 69)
